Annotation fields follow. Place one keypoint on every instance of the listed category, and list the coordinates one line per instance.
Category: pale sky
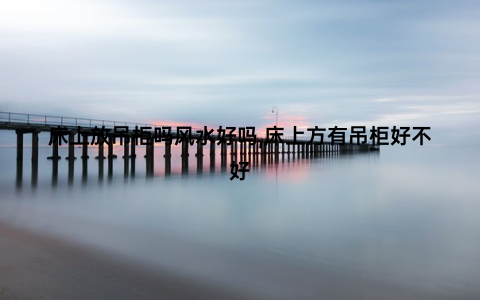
(325, 63)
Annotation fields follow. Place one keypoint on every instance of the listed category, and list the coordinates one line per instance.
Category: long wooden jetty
(32, 124)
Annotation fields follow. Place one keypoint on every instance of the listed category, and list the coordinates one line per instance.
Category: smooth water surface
(404, 217)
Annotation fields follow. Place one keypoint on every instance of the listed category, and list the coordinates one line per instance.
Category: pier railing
(50, 121)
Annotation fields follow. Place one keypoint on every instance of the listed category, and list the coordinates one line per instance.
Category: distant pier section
(34, 124)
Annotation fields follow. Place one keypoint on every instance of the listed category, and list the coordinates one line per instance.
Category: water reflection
(126, 165)
(71, 169)
(34, 173)
(110, 167)
(84, 170)
(19, 174)
(54, 172)
(168, 166)
(100, 168)
(133, 160)
(411, 223)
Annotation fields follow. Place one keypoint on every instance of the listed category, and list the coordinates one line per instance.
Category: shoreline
(35, 266)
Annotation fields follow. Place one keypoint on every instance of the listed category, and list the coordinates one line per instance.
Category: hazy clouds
(228, 62)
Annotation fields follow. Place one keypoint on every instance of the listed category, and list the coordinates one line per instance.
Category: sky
(325, 63)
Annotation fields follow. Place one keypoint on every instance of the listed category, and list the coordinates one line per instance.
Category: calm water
(407, 218)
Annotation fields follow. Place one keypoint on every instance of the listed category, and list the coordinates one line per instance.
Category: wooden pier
(28, 124)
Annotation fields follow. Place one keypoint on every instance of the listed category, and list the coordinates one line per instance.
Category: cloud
(222, 62)
(384, 100)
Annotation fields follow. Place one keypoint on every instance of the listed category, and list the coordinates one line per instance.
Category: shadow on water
(257, 161)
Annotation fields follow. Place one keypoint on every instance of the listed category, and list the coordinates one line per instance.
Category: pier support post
(168, 151)
(133, 143)
(71, 169)
(100, 150)
(84, 171)
(110, 168)
(212, 156)
(185, 163)
(19, 145)
(212, 148)
(100, 168)
(126, 163)
(132, 165)
(110, 147)
(34, 167)
(223, 156)
(199, 156)
(263, 153)
(71, 146)
(85, 146)
(168, 165)
(55, 172)
(223, 149)
(19, 175)
(54, 150)
(35, 146)
(184, 148)
(199, 164)
(126, 149)
(233, 154)
(277, 152)
(199, 149)
(150, 157)
(126, 157)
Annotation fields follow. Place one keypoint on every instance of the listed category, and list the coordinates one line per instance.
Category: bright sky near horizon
(344, 62)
